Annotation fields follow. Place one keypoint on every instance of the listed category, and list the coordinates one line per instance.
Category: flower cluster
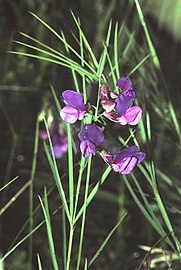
(117, 108)
(124, 113)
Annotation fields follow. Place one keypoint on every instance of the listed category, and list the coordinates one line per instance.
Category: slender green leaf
(49, 230)
(10, 182)
(55, 172)
(85, 41)
(148, 38)
(94, 191)
(116, 62)
(107, 239)
(39, 262)
(84, 212)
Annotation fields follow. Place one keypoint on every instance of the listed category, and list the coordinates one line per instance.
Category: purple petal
(60, 145)
(73, 99)
(106, 103)
(59, 151)
(127, 165)
(124, 102)
(133, 115)
(69, 114)
(141, 156)
(125, 153)
(87, 148)
(116, 118)
(93, 133)
(124, 161)
(124, 84)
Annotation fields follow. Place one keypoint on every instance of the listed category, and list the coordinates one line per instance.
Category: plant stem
(70, 170)
(64, 238)
(167, 220)
(82, 163)
(30, 245)
(84, 212)
(70, 246)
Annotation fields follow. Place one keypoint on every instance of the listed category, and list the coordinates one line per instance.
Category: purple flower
(90, 136)
(58, 137)
(124, 83)
(74, 107)
(124, 161)
(60, 145)
(125, 112)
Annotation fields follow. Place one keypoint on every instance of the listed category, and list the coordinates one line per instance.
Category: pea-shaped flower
(124, 161)
(125, 112)
(90, 136)
(74, 107)
(118, 107)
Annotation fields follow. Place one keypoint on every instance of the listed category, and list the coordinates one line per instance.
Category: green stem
(30, 245)
(70, 170)
(167, 220)
(84, 212)
(82, 162)
(93, 192)
(53, 165)
(70, 246)
(82, 64)
(97, 104)
(64, 238)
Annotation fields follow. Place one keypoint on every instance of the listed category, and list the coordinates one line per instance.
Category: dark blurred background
(25, 85)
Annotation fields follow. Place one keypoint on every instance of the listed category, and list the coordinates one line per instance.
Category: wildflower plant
(113, 109)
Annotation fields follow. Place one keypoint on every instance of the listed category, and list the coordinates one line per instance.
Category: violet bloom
(125, 112)
(90, 136)
(58, 138)
(74, 107)
(124, 161)
(60, 145)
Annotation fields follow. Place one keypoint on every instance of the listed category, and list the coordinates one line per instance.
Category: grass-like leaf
(55, 172)
(147, 35)
(84, 212)
(39, 262)
(49, 230)
(9, 183)
(94, 191)
(116, 62)
(107, 239)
